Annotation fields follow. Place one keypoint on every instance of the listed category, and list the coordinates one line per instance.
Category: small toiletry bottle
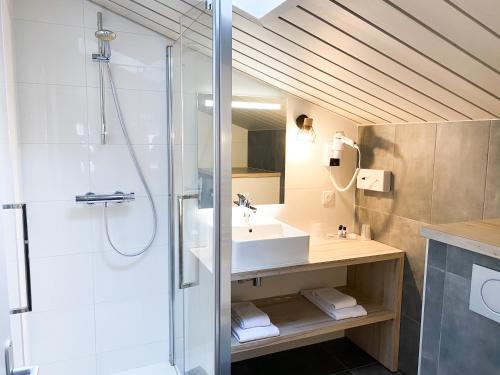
(340, 231)
(344, 232)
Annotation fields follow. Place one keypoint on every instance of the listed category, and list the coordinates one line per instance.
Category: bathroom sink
(267, 243)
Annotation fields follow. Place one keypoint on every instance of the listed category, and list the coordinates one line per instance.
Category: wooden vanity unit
(374, 278)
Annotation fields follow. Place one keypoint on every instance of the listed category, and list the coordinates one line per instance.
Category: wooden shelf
(301, 323)
(374, 277)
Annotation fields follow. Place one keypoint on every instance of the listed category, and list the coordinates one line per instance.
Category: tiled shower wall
(94, 312)
(444, 172)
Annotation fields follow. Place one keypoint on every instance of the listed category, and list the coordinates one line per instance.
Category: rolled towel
(252, 334)
(335, 298)
(247, 315)
(337, 314)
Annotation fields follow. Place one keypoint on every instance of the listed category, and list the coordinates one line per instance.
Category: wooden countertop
(481, 236)
(329, 253)
(323, 254)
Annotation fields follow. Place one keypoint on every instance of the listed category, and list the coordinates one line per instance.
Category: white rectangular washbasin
(267, 244)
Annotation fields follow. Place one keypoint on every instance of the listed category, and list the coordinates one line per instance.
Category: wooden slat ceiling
(371, 61)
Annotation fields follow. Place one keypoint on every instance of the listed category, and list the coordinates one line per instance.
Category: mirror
(258, 148)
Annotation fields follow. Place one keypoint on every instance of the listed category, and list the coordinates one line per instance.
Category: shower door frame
(223, 49)
(222, 217)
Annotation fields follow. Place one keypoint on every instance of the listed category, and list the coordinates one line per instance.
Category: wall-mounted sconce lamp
(306, 131)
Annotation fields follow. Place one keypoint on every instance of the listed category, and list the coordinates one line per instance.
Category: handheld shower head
(105, 35)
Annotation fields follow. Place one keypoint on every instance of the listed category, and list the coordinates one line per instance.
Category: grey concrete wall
(442, 172)
(267, 150)
(456, 340)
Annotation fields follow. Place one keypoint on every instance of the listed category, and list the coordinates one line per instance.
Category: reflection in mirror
(258, 148)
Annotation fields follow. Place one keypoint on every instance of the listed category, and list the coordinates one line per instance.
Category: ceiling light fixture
(306, 132)
(248, 105)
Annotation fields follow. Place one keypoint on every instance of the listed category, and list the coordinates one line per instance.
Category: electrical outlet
(328, 198)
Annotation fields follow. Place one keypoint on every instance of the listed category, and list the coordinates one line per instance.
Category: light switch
(485, 292)
(328, 198)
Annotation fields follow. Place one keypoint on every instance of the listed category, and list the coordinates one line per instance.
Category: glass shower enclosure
(200, 63)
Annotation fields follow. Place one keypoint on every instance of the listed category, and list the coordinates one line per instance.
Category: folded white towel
(349, 312)
(247, 315)
(335, 298)
(252, 334)
(337, 314)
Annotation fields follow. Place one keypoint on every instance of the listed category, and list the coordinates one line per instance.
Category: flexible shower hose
(133, 156)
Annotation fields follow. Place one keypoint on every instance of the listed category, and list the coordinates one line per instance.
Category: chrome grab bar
(180, 207)
(9, 363)
(27, 269)
(117, 197)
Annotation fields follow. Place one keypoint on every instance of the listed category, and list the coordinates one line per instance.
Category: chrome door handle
(180, 207)
(27, 269)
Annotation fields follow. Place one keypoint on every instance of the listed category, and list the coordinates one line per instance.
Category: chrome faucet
(244, 202)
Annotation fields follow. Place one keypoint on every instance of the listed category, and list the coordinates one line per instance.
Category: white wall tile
(156, 369)
(11, 232)
(54, 172)
(59, 335)
(62, 281)
(7, 171)
(52, 113)
(60, 228)
(186, 168)
(48, 53)
(197, 80)
(64, 12)
(137, 358)
(78, 366)
(138, 62)
(17, 337)
(118, 278)
(144, 113)
(13, 277)
(4, 129)
(110, 20)
(196, 126)
(112, 169)
(131, 224)
(131, 323)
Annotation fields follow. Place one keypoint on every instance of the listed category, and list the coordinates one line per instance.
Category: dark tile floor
(340, 357)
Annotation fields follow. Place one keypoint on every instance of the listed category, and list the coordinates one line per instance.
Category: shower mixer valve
(117, 197)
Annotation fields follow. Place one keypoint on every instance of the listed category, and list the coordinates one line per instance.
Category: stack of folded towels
(249, 323)
(334, 303)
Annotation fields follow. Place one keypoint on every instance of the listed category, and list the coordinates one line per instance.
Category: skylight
(256, 8)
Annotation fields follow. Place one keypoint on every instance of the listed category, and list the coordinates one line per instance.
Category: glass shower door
(200, 205)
